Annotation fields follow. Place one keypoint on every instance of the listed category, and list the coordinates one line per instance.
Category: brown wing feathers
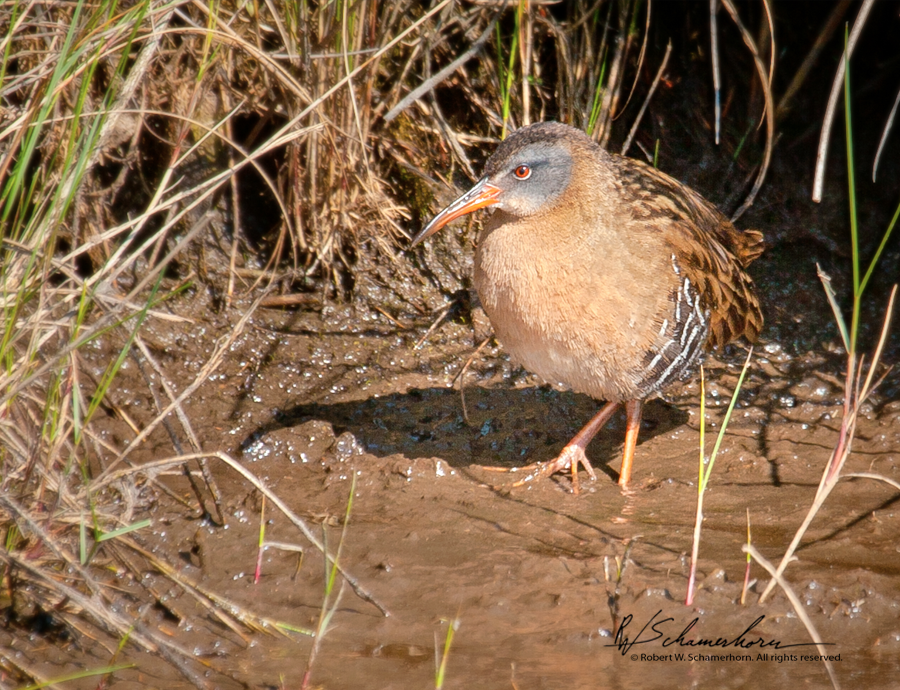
(703, 240)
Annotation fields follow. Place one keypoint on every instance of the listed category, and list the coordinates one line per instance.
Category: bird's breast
(573, 312)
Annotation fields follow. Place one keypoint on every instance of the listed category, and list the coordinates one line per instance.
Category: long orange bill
(481, 195)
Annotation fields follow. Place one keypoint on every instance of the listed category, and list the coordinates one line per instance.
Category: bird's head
(527, 174)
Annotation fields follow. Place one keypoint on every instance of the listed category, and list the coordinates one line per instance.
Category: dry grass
(149, 147)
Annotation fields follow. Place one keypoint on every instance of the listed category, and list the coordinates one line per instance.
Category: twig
(714, 58)
(462, 373)
(768, 8)
(837, 85)
(437, 322)
(872, 475)
(640, 64)
(799, 609)
(822, 39)
(640, 115)
(614, 83)
(884, 135)
(397, 323)
(526, 50)
(766, 81)
(429, 84)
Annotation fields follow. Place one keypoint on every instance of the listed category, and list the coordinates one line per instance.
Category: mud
(537, 579)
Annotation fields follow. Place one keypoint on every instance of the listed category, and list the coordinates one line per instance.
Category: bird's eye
(523, 172)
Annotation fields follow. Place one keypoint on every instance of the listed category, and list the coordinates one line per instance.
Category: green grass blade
(441, 671)
(106, 536)
(851, 198)
(884, 241)
(727, 419)
(79, 675)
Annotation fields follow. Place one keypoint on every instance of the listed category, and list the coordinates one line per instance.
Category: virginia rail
(603, 274)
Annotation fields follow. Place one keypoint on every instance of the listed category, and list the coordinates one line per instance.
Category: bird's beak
(481, 195)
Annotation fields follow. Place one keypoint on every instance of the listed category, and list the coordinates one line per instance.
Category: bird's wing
(708, 248)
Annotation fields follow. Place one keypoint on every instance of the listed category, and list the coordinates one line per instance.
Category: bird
(603, 274)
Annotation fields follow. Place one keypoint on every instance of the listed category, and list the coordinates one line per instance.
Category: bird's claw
(570, 457)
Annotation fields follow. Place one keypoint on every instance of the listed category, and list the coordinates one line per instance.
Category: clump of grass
(86, 262)
(50, 314)
(330, 601)
(859, 381)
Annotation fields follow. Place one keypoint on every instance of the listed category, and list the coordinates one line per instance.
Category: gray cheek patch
(555, 174)
(550, 177)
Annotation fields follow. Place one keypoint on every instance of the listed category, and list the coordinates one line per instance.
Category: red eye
(523, 172)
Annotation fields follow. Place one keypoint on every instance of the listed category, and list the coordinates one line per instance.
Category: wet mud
(547, 589)
(538, 580)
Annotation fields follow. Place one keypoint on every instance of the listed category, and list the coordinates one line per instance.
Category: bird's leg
(572, 454)
(574, 451)
(632, 428)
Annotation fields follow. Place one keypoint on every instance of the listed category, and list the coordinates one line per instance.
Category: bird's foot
(570, 457)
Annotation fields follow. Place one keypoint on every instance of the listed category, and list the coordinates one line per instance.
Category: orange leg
(572, 454)
(632, 428)
(574, 451)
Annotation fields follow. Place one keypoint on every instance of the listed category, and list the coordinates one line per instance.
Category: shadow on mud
(505, 427)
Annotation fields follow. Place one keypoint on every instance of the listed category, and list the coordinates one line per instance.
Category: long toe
(569, 459)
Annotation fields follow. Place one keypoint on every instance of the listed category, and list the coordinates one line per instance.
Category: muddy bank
(538, 579)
